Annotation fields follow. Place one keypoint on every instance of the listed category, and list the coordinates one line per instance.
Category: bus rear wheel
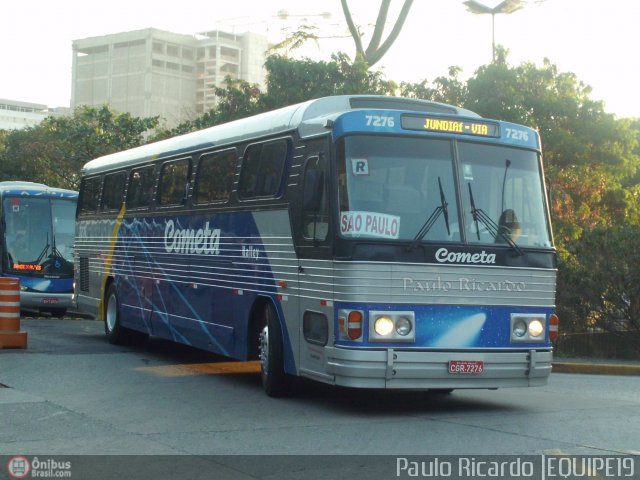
(275, 381)
(112, 328)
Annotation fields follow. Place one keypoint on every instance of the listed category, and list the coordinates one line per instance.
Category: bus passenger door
(315, 272)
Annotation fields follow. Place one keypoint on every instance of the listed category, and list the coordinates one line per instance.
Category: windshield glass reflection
(390, 188)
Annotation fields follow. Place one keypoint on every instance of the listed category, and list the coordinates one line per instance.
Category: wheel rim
(112, 312)
(264, 352)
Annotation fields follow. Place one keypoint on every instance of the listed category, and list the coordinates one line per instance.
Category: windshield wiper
(430, 222)
(44, 252)
(494, 229)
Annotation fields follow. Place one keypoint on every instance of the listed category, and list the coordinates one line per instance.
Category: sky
(594, 40)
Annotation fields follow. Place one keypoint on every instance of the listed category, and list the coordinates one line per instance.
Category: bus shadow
(403, 402)
(245, 375)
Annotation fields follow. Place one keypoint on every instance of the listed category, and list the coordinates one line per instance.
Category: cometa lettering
(445, 256)
(204, 241)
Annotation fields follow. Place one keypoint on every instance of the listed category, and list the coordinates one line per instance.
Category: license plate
(50, 301)
(469, 367)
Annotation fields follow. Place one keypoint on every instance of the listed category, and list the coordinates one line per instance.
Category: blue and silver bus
(361, 241)
(37, 229)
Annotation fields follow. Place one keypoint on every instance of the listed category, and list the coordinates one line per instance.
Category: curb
(596, 369)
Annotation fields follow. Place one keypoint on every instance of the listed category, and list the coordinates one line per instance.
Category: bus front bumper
(404, 369)
(46, 301)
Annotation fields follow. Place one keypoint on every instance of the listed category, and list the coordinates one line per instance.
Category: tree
(449, 89)
(377, 48)
(54, 151)
(608, 279)
(291, 81)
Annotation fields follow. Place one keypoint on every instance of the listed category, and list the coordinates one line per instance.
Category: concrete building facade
(153, 72)
(16, 115)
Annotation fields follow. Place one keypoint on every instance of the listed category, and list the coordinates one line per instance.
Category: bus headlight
(527, 328)
(520, 329)
(403, 326)
(536, 328)
(385, 326)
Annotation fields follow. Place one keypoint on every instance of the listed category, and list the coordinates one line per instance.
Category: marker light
(554, 323)
(354, 324)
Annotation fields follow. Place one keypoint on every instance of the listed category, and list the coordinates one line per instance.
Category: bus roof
(309, 118)
(32, 188)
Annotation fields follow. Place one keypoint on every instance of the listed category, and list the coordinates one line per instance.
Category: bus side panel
(94, 251)
(193, 278)
(267, 266)
(176, 293)
(136, 283)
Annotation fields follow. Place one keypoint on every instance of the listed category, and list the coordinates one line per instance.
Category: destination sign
(448, 125)
(27, 266)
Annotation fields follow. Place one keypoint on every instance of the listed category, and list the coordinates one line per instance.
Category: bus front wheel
(112, 327)
(275, 381)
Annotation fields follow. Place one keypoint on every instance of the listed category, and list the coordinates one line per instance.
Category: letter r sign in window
(359, 166)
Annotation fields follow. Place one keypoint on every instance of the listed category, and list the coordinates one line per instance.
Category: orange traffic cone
(10, 334)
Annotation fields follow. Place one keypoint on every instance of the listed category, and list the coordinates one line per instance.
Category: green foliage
(292, 81)
(449, 89)
(601, 281)
(54, 151)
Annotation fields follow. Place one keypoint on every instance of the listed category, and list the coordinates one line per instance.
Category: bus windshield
(390, 188)
(503, 195)
(404, 189)
(39, 235)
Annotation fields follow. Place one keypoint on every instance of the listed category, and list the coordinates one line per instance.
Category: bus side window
(262, 170)
(174, 178)
(140, 189)
(113, 189)
(315, 217)
(214, 179)
(89, 195)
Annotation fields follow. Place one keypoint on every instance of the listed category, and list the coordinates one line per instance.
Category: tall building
(153, 72)
(16, 115)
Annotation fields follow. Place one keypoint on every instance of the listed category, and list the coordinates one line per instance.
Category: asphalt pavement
(67, 392)
(580, 365)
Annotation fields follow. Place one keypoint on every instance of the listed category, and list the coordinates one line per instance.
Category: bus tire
(112, 327)
(275, 381)
(441, 391)
(57, 312)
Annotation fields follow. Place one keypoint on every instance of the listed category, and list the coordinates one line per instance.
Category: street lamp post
(507, 6)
